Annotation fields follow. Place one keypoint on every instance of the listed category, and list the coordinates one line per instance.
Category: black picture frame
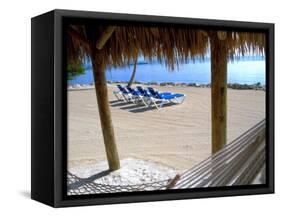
(49, 119)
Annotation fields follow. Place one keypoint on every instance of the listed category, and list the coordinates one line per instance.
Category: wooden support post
(219, 90)
(104, 110)
(106, 34)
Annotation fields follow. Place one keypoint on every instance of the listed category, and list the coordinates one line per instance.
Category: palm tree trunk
(218, 91)
(104, 111)
(133, 73)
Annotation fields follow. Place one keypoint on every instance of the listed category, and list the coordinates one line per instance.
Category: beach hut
(108, 46)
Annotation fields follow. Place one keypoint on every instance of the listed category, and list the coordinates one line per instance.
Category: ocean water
(244, 71)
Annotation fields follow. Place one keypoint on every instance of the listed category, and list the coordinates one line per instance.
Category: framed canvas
(133, 108)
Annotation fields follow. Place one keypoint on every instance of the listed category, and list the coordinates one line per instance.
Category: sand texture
(177, 136)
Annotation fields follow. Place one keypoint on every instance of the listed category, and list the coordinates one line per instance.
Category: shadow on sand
(136, 108)
(118, 103)
(89, 179)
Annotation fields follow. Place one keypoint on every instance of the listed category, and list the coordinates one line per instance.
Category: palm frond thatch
(169, 45)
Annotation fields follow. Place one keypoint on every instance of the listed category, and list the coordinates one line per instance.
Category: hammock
(238, 163)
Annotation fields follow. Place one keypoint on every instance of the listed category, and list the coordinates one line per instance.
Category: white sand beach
(176, 136)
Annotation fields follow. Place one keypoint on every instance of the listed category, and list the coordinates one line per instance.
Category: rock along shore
(237, 86)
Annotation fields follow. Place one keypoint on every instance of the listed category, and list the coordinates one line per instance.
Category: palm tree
(133, 73)
(74, 70)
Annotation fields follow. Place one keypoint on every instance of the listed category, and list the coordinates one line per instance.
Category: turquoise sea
(247, 70)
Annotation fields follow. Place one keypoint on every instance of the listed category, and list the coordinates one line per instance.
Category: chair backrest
(146, 93)
(119, 87)
(152, 91)
(122, 89)
(157, 95)
(131, 90)
(140, 89)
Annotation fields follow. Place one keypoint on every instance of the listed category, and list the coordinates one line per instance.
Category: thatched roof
(169, 45)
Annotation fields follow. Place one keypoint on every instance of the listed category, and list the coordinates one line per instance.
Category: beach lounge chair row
(148, 97)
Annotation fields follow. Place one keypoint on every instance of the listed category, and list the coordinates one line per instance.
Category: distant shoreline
(237, 86)
(242, 72)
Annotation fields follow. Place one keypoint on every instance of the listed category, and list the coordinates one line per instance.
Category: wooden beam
(173, 182)
(104, 110)
(106, 34)
(218, 92)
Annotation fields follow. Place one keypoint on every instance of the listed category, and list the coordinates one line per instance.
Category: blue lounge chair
(123, 94)
(137, 95)
(141, 90)
(119, 94)
(148, 96)
(160, 95)
(154, 92)
(163, 98)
